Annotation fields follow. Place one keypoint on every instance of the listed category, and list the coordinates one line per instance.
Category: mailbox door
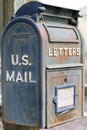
(64, 95)
(21, 72)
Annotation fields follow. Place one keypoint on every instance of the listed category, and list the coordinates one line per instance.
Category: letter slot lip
(55, 34)
(62, 102)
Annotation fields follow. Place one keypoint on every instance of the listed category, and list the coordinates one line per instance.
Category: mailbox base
(18, 127)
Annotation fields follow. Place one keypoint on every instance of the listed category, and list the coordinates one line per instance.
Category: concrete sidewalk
(80, 124)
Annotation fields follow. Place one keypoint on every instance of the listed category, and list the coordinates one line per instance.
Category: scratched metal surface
(64, 46)
(21, 74)
(57, 78)
(40, 52)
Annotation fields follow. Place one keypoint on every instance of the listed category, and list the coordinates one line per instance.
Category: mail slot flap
(56, 66)
(63, 34)
(63, 66)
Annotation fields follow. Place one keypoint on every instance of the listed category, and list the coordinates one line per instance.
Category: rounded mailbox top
(34, 7)
(22, 21)
(30, 9)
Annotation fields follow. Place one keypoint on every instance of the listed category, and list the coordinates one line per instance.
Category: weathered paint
(21, 72)
(55, 78)
(41, 50)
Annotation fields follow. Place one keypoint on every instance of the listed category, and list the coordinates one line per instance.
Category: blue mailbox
(42, 67)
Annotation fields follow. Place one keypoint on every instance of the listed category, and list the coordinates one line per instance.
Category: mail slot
(42, 67)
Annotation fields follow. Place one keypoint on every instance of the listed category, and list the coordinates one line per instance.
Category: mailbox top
(34, 9)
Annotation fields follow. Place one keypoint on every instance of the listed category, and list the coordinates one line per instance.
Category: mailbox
(42, 66)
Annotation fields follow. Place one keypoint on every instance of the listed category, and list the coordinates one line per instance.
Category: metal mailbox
(42, 66)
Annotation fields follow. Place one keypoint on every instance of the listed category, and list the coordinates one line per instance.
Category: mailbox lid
(64, 44)
(21, 56)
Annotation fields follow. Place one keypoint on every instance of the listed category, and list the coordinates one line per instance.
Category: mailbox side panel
(21, 73)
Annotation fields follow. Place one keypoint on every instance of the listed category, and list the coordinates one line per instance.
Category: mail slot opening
(65, 98)
(61, 34)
